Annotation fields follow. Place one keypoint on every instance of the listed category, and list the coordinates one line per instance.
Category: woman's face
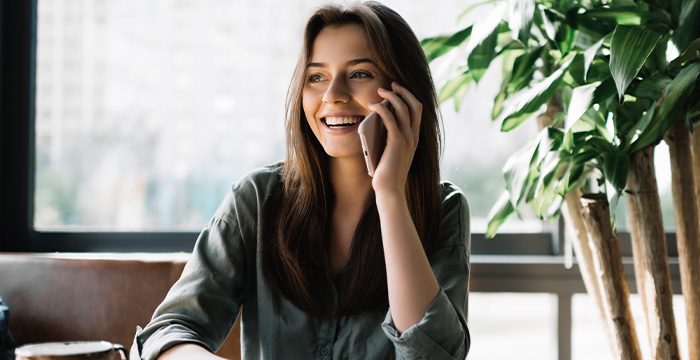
(341, 81)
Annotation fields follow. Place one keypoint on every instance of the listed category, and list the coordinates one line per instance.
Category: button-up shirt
(224, 276)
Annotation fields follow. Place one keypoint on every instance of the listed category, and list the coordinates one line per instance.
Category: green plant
(614, 77)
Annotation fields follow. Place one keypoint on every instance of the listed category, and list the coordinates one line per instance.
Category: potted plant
(614, 79)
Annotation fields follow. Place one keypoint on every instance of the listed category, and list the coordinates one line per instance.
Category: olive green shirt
(224, 275)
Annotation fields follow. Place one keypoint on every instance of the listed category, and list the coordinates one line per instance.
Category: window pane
(147, 111)
(513, 326)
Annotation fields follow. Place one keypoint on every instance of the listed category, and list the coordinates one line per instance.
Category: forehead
(341, 42)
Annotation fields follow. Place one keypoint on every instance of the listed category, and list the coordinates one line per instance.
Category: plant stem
(695, 148)
(576, 228)
(650, 254)
(611, 275)
(687, 229)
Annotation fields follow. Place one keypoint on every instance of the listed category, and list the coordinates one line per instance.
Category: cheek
(309, 105)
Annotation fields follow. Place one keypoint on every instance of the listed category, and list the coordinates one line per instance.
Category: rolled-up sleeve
(443, 331)
(203, 304)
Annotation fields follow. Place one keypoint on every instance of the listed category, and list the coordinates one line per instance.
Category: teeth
(342, 120)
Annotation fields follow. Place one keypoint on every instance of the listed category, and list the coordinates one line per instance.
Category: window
(148, 112)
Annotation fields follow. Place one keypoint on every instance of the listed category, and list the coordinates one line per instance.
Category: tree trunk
(611, 276)
(687, 229)
(695, 145)
(584, 257)
(650, 255)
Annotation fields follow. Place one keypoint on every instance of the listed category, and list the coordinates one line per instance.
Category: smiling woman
(327, 251)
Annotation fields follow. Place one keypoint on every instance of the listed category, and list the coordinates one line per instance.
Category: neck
(351, 184)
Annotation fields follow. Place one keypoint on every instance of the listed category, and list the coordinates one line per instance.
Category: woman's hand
(403, 128)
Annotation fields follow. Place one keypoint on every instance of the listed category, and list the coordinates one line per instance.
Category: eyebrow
(350, 62)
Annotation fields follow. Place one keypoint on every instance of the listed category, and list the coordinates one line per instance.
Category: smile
(342, 121)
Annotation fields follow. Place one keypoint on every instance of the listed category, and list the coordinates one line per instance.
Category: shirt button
(324, 351)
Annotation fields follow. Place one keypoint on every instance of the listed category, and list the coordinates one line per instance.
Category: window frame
(17, 165)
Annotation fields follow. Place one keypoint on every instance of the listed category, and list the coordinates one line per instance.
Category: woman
(322, 260)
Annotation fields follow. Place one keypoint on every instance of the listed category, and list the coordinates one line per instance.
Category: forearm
(187, 352)
(411, 283)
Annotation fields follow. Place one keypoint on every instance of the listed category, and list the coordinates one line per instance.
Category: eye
(360, 75)
(315, 78)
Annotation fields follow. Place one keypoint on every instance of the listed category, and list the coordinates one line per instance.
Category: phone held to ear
(373, 138)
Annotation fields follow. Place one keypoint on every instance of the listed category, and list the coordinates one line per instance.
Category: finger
(400, 109)
(386, 115)
(414, 105)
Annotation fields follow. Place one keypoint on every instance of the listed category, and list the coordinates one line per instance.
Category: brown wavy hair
(296, 252)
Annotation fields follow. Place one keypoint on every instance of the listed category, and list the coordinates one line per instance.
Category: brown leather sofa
(77, 297)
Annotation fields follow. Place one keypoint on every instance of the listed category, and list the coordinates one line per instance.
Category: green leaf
(629, 15)
(550, 139)
(651, 87)
(589, 55)
(596, 119)
(615, 168)
(679, 87)
(690, 53)
(520, 14)
(481, 48)
(584, 97)
(523, 69)
(486, 26)
(498, 104)
(499, 213)
(585, 156)
(678, 92)
(480, 57)
(693, 110)
(456, 89)
(613, 196)
(568, 144)
(578, 176)
(546, 188)
(520, 171)
(673, 105)
(526, 102)
(558, 30)
(629, 48)
(600, 145)
(688, 24)
(641, 126)
(434, 47)
(590, 31)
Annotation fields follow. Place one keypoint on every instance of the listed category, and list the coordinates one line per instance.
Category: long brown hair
(296, 260)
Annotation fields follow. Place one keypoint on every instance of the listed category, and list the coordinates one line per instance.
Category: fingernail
(383, 89)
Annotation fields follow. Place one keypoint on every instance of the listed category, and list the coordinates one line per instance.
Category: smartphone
(373, 138)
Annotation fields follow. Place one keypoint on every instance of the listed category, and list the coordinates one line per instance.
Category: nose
(337, 92)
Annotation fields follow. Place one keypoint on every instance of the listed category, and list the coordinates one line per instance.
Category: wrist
(390, 200)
